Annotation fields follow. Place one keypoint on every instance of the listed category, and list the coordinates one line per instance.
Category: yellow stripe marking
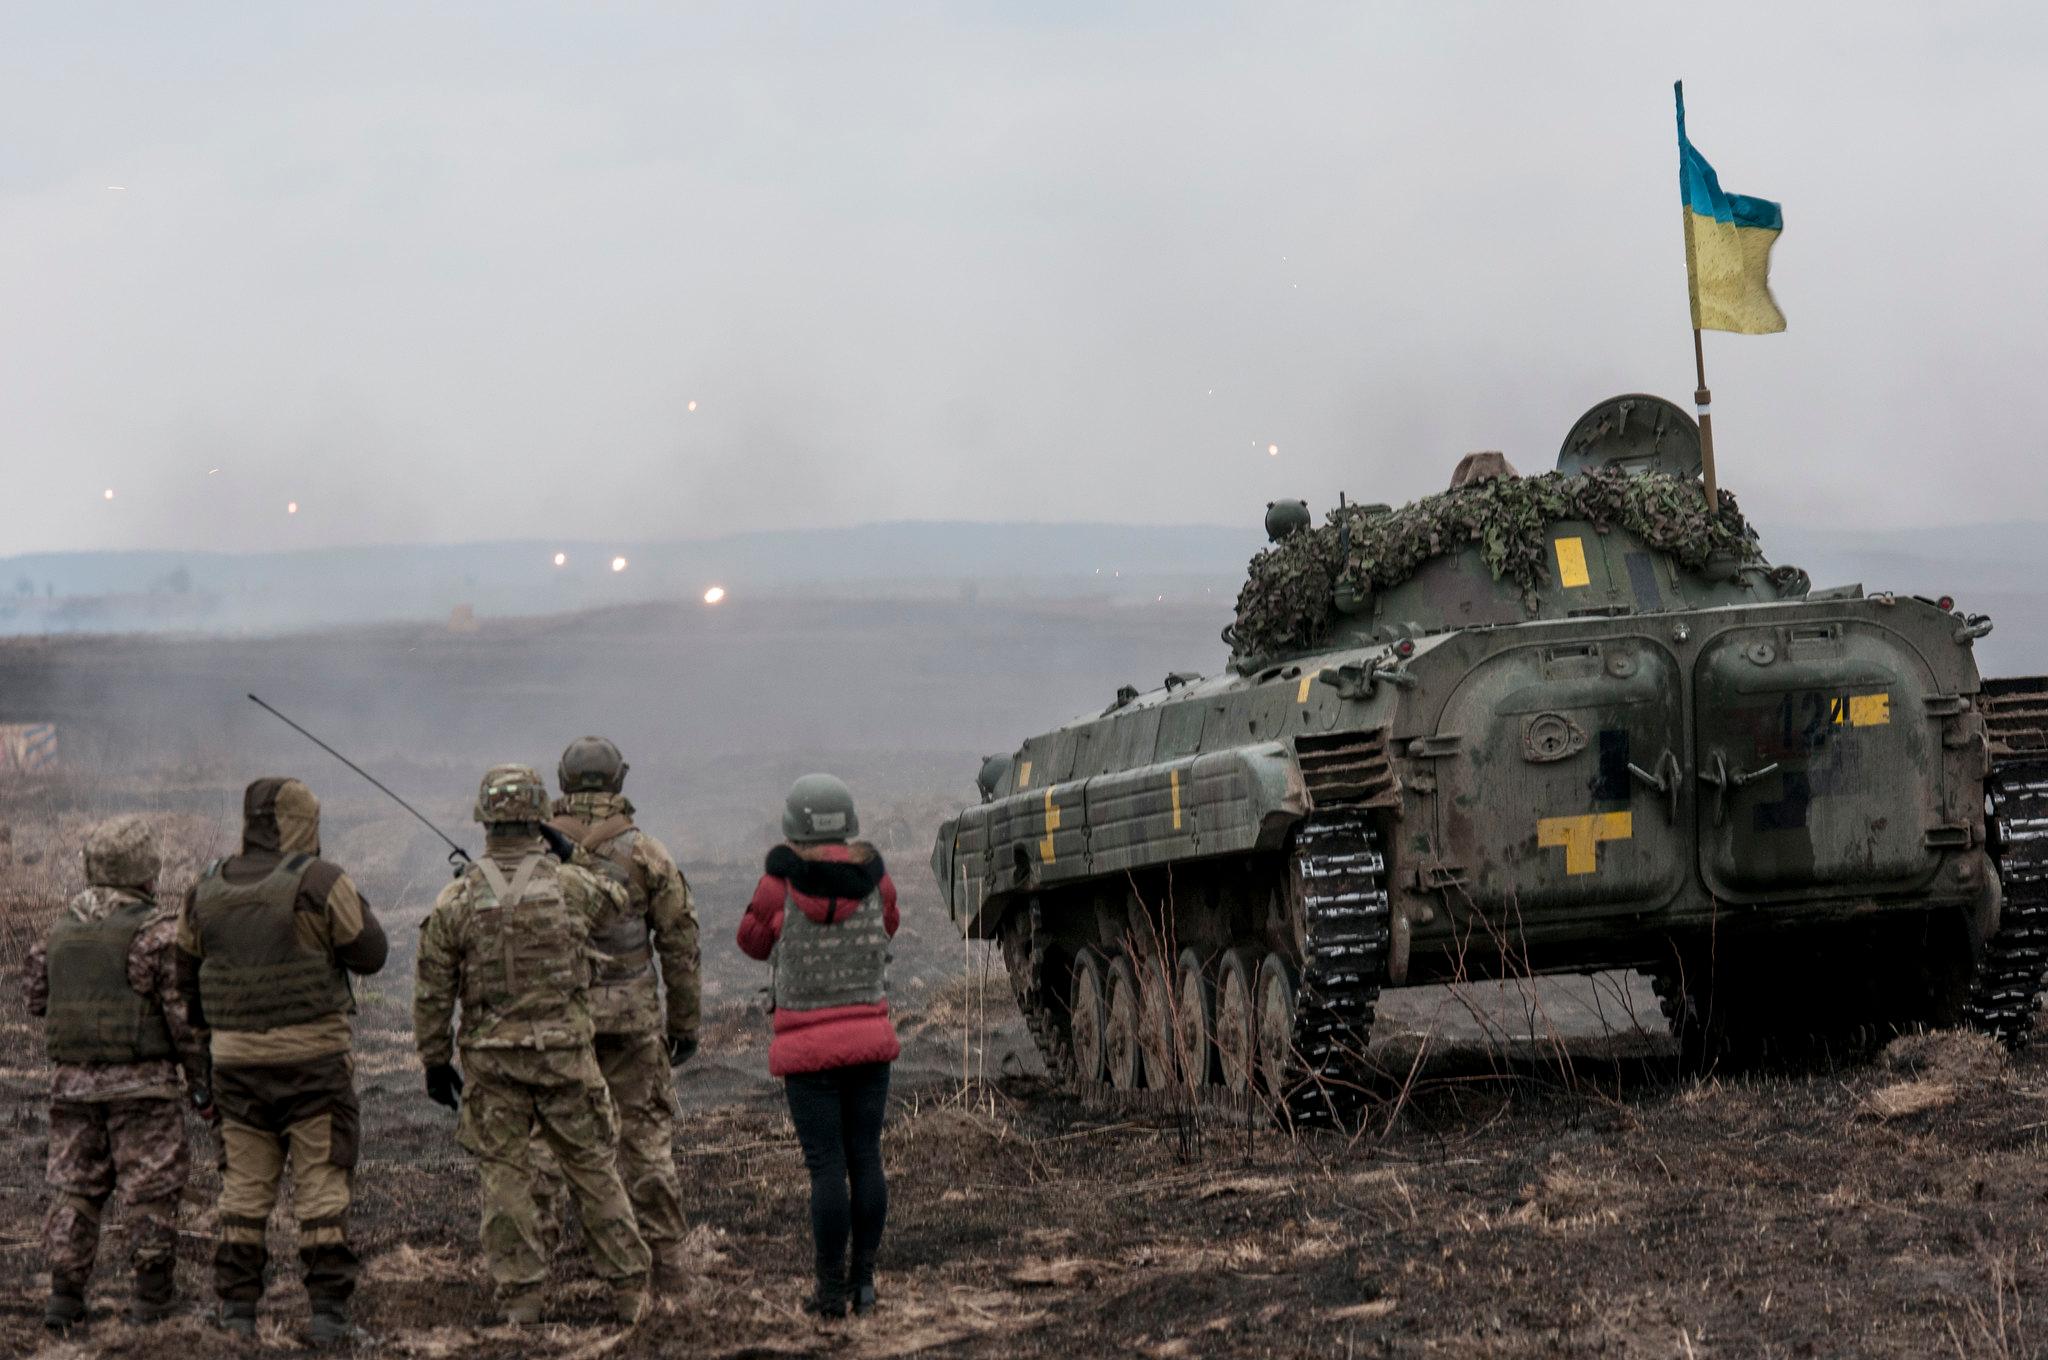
(1301, 695)
(1581, 836)
(1173, 782)
(1023, 774)
(1869, 710)
(1052, 824)
(1571, 562)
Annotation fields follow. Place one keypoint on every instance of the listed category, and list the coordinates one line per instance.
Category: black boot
(156, 1293)
(829, 1302)
(65, 1312)
(238, 1317)
(331, 1329)
(860, 1285)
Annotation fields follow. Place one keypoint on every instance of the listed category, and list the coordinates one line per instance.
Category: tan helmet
(592, 765)
(511, 793)
(122, 853)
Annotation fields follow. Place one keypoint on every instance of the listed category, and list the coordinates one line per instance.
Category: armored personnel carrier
(1551, 724)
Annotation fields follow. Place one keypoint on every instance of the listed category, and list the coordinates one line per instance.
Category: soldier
(265, 946)
(637, 1043)
(510, 940)
(118, 1034)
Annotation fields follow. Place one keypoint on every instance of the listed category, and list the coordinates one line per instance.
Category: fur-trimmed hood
(828, 877)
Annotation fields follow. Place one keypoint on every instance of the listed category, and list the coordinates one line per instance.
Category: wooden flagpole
(1703, 402)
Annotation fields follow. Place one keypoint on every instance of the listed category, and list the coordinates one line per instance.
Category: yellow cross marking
(1301, 695)
(1023, 774)
(1052, 824)
(1863, 710)
(1173, 779)
(1571, 561)
(1581, 836)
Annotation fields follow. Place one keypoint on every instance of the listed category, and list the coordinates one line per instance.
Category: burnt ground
(1537, 1181)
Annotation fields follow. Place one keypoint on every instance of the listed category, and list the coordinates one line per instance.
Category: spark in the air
(108, 493)
(618, 564)
(693, 406)
(1272, 450)
(291, 507)
(714, 595)
(561, 559)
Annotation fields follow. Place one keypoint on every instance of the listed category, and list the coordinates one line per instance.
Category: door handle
(1725, 781)
(1665, 780)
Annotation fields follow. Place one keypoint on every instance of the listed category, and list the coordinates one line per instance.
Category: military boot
(671, 1271)
(860, 1285)
(238, 1317)
(156, 1294)
(65, 1312)
(331, 1329)
(522, 1310)
(629, 1305)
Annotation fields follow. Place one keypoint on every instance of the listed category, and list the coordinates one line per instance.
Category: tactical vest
(625, 948)
(95, 1016)
(257, 972)
(525, 972)
(842, 964)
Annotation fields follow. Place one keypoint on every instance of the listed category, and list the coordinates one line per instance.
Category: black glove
(681, 1049)
(444, 1085)
(558, 842)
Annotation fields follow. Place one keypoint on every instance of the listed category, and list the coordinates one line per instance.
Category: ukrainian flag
(1728, 240)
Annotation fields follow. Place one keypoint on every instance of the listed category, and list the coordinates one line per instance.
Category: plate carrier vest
(845, 963)
(258, 971)
(95, 1015)
(525, 965)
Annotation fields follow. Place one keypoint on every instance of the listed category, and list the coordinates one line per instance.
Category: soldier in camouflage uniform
(638, 1039)
(510, 942)
(117, 1030)
(266, 942)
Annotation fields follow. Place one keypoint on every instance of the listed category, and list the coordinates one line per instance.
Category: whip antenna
(457, 856)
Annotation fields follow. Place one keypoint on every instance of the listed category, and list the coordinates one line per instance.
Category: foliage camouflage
(1289, 599)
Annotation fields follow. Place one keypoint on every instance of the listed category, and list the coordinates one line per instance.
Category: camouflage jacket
(629, 999)
(152, 972)
(453, 936)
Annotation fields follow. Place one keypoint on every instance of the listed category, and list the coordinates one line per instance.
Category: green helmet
(592, 765)
(511, 793)
(122, 853)
(819, 808)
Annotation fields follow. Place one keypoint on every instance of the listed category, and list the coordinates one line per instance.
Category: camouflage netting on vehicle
(1289, 599)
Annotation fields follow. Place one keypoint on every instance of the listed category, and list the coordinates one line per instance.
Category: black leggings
(838, 1118)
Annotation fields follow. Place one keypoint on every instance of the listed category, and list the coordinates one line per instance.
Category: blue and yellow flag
(1728, 241)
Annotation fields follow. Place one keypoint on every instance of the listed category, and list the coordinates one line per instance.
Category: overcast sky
(459, 274)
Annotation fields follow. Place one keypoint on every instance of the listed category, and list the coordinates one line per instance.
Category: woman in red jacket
(823, 915)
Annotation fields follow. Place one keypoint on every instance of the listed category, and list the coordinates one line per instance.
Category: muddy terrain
(1536, 1179)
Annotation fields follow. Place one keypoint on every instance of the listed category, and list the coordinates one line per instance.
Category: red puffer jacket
(826, 882)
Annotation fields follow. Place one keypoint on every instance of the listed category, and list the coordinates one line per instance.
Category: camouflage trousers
(137, 1146)
(510, 1094)
(642, 1087)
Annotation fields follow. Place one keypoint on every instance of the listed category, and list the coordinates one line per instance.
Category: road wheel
(1155, 1015)
(1194, 1021)
(1121, 1062)
(1236, 1029)
(1276, 1024)
(1088, 1017)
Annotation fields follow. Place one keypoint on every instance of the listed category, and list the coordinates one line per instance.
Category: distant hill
(1997, 567)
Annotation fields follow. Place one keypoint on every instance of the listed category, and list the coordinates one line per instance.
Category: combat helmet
(511, 793)
(122, 853)
(592, 765)
(819, 808)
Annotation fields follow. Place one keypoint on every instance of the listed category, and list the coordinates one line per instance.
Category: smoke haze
(456, 275)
